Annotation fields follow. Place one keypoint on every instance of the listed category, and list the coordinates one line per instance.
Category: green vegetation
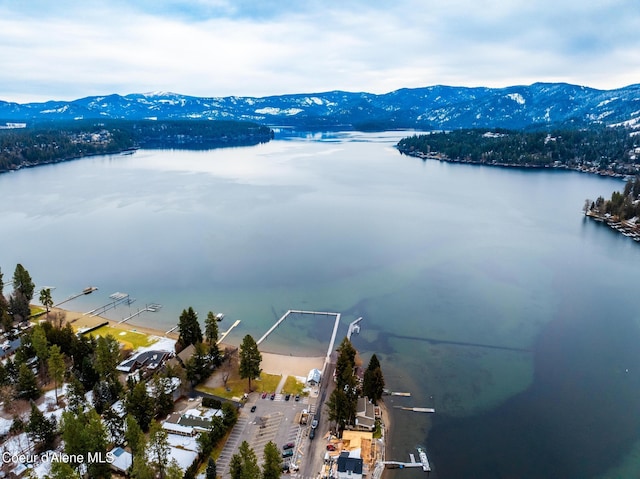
(250, 359)
(622, 206)
(373, 381)
(237, 386)
(128, 338)
(342, 403)
(604, 149)
(244, 464)
(292, 386)
(43, 143)
(189, 328)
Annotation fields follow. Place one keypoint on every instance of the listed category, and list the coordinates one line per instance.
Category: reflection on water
(483, 291)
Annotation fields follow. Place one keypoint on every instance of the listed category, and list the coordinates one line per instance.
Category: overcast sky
(65, 49)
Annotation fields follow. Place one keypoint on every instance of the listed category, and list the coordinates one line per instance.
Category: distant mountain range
(434, 107)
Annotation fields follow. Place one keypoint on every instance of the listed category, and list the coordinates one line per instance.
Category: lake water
(484, 291)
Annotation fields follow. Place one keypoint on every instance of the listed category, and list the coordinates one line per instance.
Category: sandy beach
(290, 365)
(78, 320)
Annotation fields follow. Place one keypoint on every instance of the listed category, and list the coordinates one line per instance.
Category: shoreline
(523, 166)
(79, 320)
(273, 363)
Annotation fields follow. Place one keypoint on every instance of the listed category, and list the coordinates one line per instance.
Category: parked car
(331, 447)
(287, 453)
(289, 445)
(264, 395)
(273, 396)
(287, 397)
(253, 408)
(297, 397)
(314, 424)
(312, 434)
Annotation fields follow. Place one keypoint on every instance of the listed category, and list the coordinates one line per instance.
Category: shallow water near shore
(484, 291)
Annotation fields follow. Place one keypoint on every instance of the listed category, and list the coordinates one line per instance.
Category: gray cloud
(69, 49)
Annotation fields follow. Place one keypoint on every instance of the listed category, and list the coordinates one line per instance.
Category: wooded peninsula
(607, 151)
(51, 142)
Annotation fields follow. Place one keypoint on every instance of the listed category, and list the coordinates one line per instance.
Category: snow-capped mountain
(434, 107)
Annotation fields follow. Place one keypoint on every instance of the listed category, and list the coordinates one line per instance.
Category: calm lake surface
(484, 291)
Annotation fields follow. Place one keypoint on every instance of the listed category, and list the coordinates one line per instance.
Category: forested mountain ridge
(52, 142)
(430, 108)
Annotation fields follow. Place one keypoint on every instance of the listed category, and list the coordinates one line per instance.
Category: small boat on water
(219, 316)
(89, 289)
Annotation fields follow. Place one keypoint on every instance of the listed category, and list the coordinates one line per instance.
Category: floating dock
(423, 463)
(118, 298)
(354, 327)
(416, 409)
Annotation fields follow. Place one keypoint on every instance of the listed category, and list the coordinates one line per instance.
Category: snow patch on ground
(517, 97)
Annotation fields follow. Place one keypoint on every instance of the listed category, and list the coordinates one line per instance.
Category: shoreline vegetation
(274, 366)
(48, 143)
(621, 212)
(609, 152)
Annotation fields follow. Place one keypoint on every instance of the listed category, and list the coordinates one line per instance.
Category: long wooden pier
(224, 335)
(85, 291)
(416, 409)
(149, 307)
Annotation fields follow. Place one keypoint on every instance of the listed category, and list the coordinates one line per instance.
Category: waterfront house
(349, 467)
(365, 415)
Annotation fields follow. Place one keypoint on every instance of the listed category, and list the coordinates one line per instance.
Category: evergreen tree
(158, 448)
(56, 367)
(174, 471)
(27, 384)
(250, 359)
(115, 426)
(189, 328)
(75, 395)
(345, 364)
(211, 328)
(211, 335)
(235, 467)
(272, 467)
(140, 406)
(39, 343)
(22, 282)
(244, 464)
(211, 469)
(161, 396)
(107, 358)
(5, 319)
(83, 434)
(41, 431)
(373, 382)
(62, 470)
(135, 438)
(198, 365)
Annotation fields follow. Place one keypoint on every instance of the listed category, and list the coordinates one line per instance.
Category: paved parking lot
(274, 420)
